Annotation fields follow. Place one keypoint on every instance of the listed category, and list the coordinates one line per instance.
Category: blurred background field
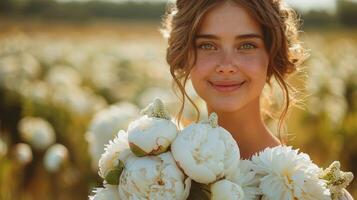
(72, 73)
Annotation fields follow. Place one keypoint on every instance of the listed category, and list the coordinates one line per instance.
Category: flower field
(66, 90)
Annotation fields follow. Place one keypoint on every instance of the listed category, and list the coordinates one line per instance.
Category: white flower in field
(153, 177)
(152, 133)
(102, 71)
(55, 157)
(62, 75)
(37, 132)
(289, 175)
(20, 68)
(37, 91)
(51, 52)
(226, 190)
(78, 59)
(165, 95)
(336, 108)
(30, 67)
(112, 160)
(79, 100)
(205, 151)
(23, 153)
(247, 178)
(8, 70)
(3, 148)
(105, 124)
(109, 192)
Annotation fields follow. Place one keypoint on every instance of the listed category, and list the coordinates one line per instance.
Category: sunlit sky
(305, 5)
(329, 5)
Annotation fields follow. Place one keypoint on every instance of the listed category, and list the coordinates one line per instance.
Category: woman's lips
(226, 86)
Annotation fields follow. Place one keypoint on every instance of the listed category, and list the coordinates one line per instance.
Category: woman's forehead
(228, 18)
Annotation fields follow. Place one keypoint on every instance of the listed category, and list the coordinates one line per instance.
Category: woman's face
(232, 61)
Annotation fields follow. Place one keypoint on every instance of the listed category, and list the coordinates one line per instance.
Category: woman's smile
(226, 86)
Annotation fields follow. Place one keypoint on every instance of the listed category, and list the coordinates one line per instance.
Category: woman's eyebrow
(238, 37)
(249, 36)
(206, 36)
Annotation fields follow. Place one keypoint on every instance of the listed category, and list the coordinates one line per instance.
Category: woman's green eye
(247, 46)
(206, 46)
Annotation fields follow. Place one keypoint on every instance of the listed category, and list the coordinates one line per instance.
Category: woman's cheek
(254, 65)
(205, 62)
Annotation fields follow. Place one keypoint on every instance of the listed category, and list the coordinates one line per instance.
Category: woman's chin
(226, 107)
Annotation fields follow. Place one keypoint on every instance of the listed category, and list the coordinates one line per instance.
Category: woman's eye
(206, 46)
(247, 46)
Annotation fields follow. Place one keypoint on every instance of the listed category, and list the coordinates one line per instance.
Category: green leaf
(199, 191)
(112, 177)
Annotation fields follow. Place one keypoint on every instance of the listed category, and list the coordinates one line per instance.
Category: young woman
(230, 49)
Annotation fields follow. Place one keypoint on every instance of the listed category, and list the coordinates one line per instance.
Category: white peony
(37, 132)
(153, 177)
(109, 192)
(55, 156)
(247, 178)
(23, 153)
(205, 151)
(112, 160)
(153, 133)
(337, 180)
(289, 175)
(226, 190)
(105, 124)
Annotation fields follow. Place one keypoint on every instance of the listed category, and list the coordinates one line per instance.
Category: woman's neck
(247, 128)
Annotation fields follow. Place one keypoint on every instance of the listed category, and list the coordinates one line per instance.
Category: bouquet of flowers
(155, 160)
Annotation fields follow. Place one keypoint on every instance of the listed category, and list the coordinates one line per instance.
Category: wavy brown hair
(279, 23)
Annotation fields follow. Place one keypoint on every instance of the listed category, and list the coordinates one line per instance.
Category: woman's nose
(227, 64)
